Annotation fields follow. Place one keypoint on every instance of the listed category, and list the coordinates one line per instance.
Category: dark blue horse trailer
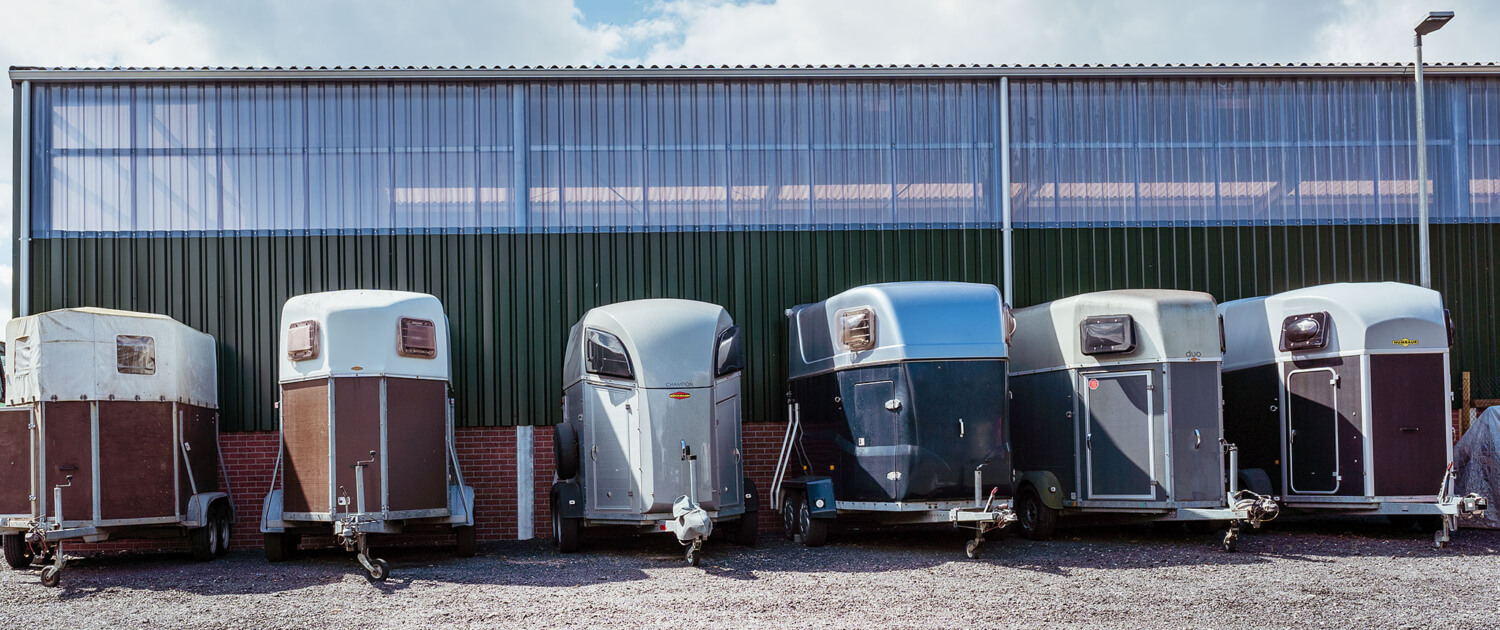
(1339, 399)
(898, 406)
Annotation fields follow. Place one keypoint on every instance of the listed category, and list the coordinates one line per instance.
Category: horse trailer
(897, 410)
(1339, 399)
(651, 430)
(366, 425)
(1115, 409)
(110, 431)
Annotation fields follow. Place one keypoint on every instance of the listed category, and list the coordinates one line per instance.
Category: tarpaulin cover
(1476, 464)
(102, 354)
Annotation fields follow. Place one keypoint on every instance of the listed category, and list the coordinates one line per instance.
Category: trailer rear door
(1118, 437)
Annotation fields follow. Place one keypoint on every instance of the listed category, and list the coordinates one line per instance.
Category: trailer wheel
(379, 570)
(564, 531)
(1038, 521)
(814, 530)
(789, 502)
(565, 450)
(279, 546)
(468, 541)
(225, 524)
(51, 577)
(205, 540)
(17, 552)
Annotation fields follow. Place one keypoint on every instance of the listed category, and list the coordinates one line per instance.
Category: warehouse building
(523, 197)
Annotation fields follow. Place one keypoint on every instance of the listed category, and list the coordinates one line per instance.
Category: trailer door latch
(893, 405)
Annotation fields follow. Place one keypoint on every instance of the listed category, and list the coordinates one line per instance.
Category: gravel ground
(1297, 575)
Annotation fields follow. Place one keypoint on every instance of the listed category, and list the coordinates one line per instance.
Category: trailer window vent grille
(418, 338)
(857, 328)
(135, 354)
(1108, 334)
(302, 341)
(1308, 331)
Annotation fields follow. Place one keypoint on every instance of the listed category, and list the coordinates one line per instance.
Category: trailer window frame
(135, 354)
(1318, 341)
(857, 328)
(410, 339)
(606, 355)
(303, 340)
(729, 352)
(1092, 334)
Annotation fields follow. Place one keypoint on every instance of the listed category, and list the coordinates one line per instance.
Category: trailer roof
(670, 341)
(1364, 317)
(359, 335)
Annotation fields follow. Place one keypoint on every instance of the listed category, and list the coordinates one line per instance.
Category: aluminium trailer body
(110, 431)
(366, 425)
(1338, 397)
(897, 410)
(1115, 409)
(651, 437)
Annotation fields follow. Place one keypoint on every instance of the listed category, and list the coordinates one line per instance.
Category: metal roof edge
(35, 73)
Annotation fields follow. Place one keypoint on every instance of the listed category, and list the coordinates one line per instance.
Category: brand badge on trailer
(1093, 383)
(679, 395)
(1405, 342)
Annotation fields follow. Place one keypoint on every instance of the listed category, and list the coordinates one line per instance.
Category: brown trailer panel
(416, 426)
(15, 461)
(304, 434)
(137, 472)
(356, 432)
(68, 450)
(200, 429)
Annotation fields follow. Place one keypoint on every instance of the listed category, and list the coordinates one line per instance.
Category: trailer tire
(564, 531)
(205, 539)
(789, 502)
(814, 530)
(225, 523)
(280, 546)
(1037, 521)
(565, 450)
(1256, 480)
(468, 541)
(17, 552)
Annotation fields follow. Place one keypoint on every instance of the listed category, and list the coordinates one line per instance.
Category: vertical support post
(1007, 241)
(94, 461)
(22, 278)
(1423, 244)
(1465, 411)
(525, 483)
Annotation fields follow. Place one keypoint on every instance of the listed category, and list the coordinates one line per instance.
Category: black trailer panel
(1408, 426)
(1194, 419)
(1252, 419)
(1043, 431)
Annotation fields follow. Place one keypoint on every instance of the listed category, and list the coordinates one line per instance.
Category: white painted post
(525, 484)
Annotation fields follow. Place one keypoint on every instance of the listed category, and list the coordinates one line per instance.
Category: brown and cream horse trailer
(110, 430)
(366, 425)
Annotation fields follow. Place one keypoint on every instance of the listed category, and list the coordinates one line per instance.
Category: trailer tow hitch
(348, 532)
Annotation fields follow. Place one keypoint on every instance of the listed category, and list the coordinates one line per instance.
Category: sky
(702, 32)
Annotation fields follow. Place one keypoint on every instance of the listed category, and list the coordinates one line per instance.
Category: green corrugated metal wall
(511, 298)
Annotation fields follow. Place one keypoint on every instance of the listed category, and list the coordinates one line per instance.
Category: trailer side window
(1108, 334)
(302, 341)
(417, 338)
(135, 354)
(856, 328)
(607, 356)
(1308, 331)
(729, 352)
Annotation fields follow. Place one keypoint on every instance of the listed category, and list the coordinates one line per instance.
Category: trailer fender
(820, 502)
(569, 498)
(199, 505)
(1046, 486)
(752, 497)
(270, 514)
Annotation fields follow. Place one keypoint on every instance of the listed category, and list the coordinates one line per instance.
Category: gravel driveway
(1297, 575)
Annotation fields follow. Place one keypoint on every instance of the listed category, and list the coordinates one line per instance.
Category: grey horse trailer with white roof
(652, 422)
(1115, 409)
(1340, 400)
(111, 431)
(898, 411)
(366, 425)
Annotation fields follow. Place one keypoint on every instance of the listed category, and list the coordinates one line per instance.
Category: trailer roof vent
(302, 341)
(1108, 334)
(1308, 331)
(135, 354)
(417, 338)
(856, 328)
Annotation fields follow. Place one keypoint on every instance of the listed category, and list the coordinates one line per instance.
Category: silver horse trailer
(1115, 409)
(650, 437)
(366, 425)
(110, 431)
(897, 410)
(1339, 399)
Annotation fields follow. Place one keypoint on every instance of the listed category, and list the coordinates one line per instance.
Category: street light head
(1433, 21)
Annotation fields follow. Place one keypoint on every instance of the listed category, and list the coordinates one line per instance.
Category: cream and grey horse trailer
(651, 432)
(1340, 400)
(366, 425)
(1116, 410)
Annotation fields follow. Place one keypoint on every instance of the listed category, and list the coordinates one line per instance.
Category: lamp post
(1434, 21)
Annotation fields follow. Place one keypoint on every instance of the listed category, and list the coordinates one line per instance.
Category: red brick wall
(487, 457)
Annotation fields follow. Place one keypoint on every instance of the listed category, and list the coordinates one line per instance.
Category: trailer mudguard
(752, 497)
(199, 505)
(1046, 486)
(820, 500)
(569, 498)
